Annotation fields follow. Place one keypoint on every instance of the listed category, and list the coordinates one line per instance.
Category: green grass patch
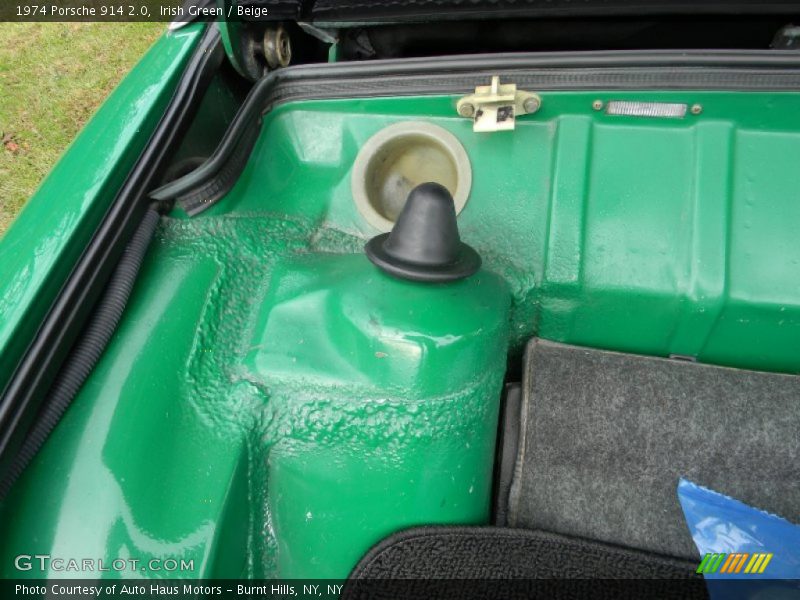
(53, 77)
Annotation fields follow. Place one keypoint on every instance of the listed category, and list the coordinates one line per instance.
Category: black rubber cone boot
(424, 244)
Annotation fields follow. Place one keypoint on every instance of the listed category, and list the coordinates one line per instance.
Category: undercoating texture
(282, 418)
(491, 553)
(606, 436)
(342, 427)
(245, 248)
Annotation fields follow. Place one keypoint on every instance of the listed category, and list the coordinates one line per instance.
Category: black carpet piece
(491, 562)
(606, 436)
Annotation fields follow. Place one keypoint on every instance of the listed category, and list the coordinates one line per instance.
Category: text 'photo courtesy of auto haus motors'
(131, 589)
(417, 293)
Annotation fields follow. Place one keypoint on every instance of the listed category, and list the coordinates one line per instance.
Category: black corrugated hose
(87, 351)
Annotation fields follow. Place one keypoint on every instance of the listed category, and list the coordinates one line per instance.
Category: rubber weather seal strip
(612, 70)
(35, 373)
(87, 351)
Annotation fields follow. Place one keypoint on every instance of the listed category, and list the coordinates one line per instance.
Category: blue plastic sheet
(720, 524)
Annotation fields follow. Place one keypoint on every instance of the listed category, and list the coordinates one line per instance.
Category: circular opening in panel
(400, 157)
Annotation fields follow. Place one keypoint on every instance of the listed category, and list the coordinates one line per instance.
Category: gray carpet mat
(606, 436)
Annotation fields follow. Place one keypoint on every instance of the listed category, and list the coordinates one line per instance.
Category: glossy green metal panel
(646, 235)
(658, 236)
(383, 404)
(38, 251)
(133, 470)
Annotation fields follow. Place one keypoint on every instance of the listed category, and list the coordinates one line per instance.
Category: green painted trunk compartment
(206, 425)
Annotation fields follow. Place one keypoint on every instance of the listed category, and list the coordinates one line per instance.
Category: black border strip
(611, 70)
(37, 369)
(336, 13)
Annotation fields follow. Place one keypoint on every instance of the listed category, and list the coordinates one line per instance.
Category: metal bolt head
(466, 110)
(696, 109)
(531, 105)
(277, 47)
(597, 104)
